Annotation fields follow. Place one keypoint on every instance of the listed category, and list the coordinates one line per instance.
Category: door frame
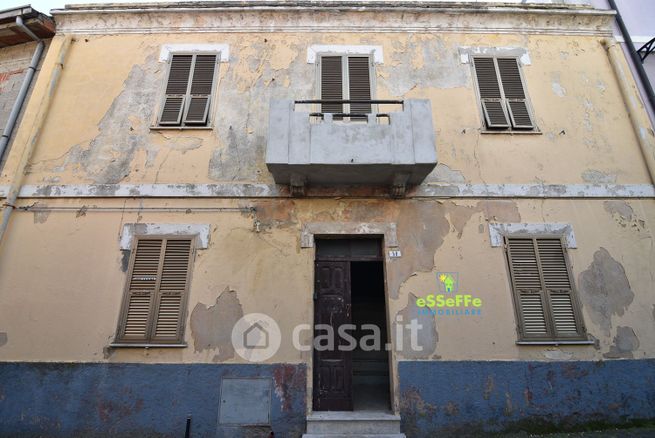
(382, 239)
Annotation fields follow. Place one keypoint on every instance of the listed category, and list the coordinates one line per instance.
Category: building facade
(196, 187)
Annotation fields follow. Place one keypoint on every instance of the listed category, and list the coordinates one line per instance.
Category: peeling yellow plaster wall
(97, 130)
(70, 290)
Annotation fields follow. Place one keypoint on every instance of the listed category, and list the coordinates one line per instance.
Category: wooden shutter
(543, 292)
(529, 298)
(141, 290)
(172, 289)
(201, 90)
(359, 84)
(331, 83)
(517, 103)
(558, 288)
(491, 98)
(155, 299)
(176, 90)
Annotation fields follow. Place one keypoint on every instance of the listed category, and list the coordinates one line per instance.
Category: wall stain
(242, 155)
(443, 173)
(415, 408)
(278, 213)
(289, 383)
(624, 215)
(40, 217)
(605, 289)
(625, 343)
(125, 259)
(597, 177)
(3, 339)
(489, 386)
(425, 62)
(107, 158)
(504, 211)
(211, 326)
(427, 336)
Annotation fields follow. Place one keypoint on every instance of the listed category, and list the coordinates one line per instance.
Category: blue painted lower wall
(139, 400)
(455, 398)
(471, 397)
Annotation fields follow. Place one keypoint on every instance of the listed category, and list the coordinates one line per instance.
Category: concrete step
(353, 424)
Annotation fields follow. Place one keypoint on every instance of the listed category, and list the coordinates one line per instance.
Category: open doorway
(349, 289)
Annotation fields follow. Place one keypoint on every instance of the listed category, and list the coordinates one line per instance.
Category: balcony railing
(349, 147)
(351, 115)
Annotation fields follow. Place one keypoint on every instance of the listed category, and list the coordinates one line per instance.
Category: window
(546, 305)
(344, 77)
(189, 88)
(503, 99)
(154, 304)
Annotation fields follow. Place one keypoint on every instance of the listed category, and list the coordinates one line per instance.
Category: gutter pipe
(24, 88)
(636, 60)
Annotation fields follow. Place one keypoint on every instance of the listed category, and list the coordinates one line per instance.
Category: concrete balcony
(394, 148)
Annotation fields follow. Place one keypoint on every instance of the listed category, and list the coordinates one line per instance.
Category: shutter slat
(510, 76)
(174, 278)
(198, 110)
(203, 75)
(171, 113)
(331, 83)
(520, 114)
(138, 314)
(168, 317)
(553, 263)
(485, 71)
(532, 315)
(359, 83)
(563, 314)
(495, 113)
(178, 76)
(524, 264)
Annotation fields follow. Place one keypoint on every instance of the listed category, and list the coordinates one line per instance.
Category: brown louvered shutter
(331, 83)
(528, 295)
(201, 90)
(172, 290)
(359, 84)
(517, 103)
(176, 90)
(491, 98)
(155, 299)
(558, 287)
(137, 310)
(546, 305)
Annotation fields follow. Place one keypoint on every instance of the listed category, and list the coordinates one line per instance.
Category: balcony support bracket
(399, 185)
(297, 185)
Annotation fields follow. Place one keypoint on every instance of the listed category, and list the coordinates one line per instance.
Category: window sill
(146, 345)
(516, 132)
(181, 128)
(580, 342)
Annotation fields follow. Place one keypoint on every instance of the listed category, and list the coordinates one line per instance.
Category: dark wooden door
(332, 368)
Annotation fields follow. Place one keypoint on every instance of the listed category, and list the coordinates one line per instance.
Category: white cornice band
(475, 18)
(236, 190)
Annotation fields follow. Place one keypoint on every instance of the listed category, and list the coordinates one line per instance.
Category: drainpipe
(24, 88)
(636, 60)
(43, 107)
(636, 111)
